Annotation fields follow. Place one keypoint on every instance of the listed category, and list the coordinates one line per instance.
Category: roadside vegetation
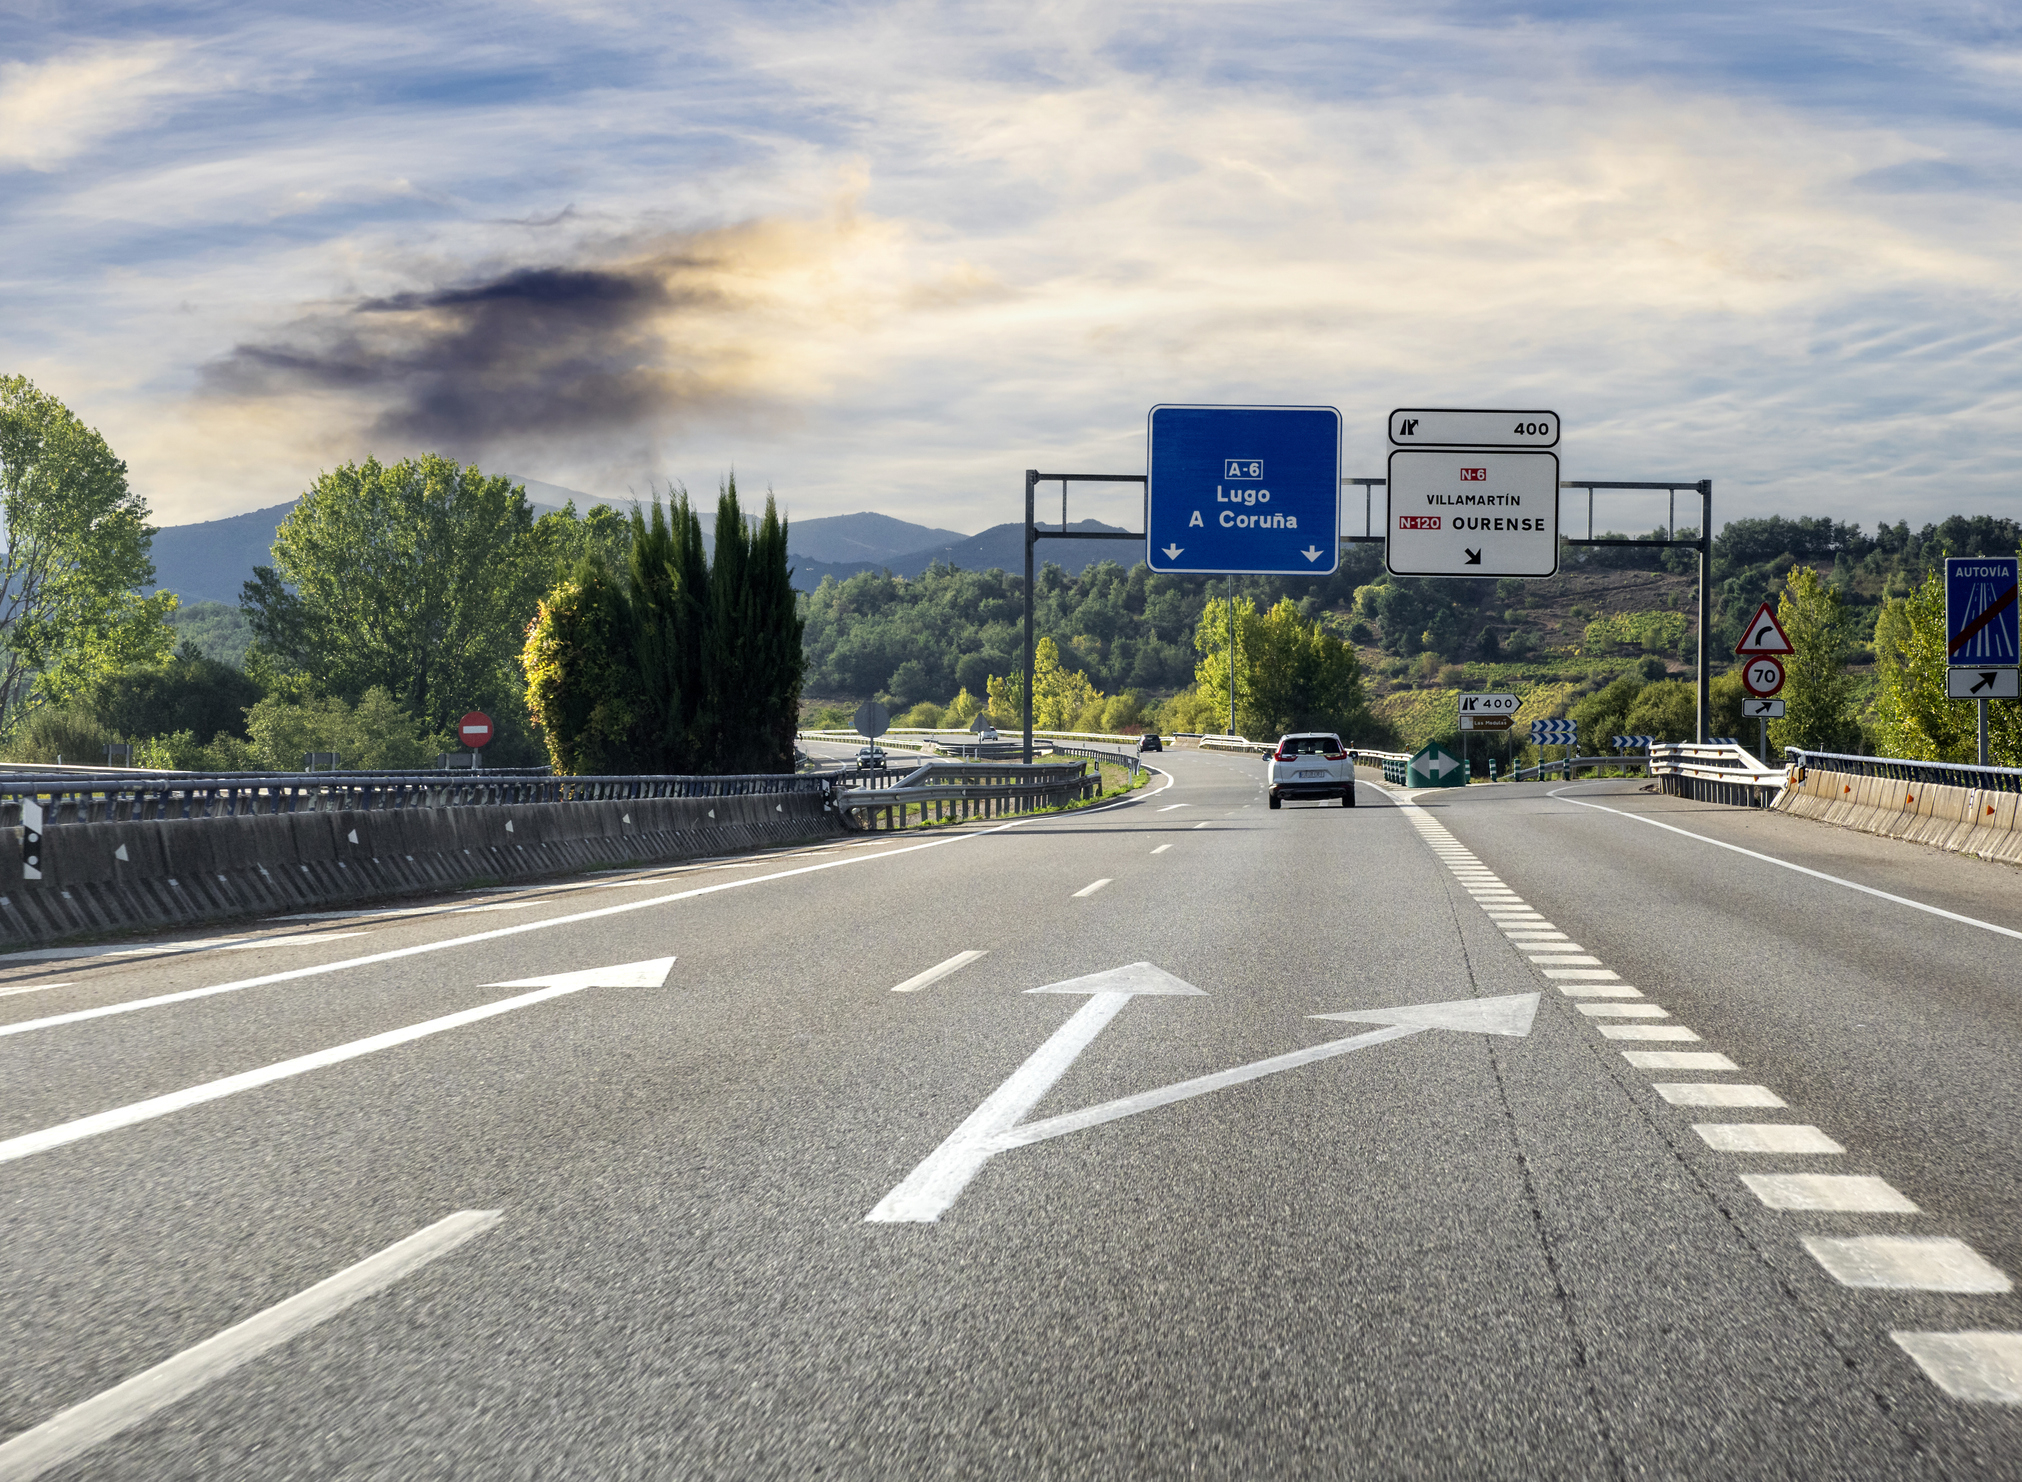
(401, 596)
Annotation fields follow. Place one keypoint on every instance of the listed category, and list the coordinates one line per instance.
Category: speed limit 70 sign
(1762, 676)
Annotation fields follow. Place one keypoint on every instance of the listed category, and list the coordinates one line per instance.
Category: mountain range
(208, 561)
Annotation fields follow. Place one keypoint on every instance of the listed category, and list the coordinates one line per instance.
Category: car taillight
(1283, 756)
(1337, 756)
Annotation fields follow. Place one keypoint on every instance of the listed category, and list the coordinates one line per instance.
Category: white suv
(1312, 764)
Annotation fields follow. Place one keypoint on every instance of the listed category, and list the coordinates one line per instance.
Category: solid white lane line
(1982, 1368)
(1161, 849)
(937, 972)
(1678, 1060)
(1714, 1093)
(29, 1143)
(1856, 1192)
(75, 1431)
(1765, 1137)
(517, 929)
(1621, 1011)
(1090, 889)
(31, 988)
(1920, 1263)
(1676, 1032)
(1901, 900)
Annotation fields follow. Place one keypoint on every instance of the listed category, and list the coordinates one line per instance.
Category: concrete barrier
(1965, 820)
(181, 872)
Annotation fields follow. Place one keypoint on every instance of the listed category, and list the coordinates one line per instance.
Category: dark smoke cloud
(544, 351)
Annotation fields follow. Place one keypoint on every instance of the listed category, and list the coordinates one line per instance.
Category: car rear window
(1308, 745)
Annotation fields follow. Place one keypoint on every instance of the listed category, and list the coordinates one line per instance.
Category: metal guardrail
(1565, 767)
(1902, 769)
(67, 798)
(1716, 774)
(942, 792)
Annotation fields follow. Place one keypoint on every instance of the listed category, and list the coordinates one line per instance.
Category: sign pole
(1031, 483)
(1705, 606)
(1983, 733)
(1232, 656)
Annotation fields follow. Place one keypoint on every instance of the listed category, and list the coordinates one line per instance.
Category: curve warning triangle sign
(1764, 634)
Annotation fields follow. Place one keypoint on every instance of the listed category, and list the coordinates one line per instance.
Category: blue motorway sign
(1244, 489)
(1980, 611)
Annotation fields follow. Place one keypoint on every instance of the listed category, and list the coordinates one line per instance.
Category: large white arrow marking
(993, 1127)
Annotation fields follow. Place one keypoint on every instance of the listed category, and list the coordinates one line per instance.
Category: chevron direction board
(1243, 490)
(1981, 627)
(1435, 766)
(1636, 743)
(1472, 512)
(1555, 733)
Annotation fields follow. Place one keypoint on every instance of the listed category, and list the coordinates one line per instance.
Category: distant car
(1149, 742)
(869, 757)
(988, 733)
(1312, 764)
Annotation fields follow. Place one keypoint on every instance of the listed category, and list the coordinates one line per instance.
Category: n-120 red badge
(1418, 522)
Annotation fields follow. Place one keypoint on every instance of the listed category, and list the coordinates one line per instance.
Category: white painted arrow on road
(930, 1189)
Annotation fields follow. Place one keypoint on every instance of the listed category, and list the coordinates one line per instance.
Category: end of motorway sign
(1250, 490)
(1981, 611)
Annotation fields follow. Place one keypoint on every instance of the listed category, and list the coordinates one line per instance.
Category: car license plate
(1313, 772)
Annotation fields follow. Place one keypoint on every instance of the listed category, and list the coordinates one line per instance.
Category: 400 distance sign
(1762, 677)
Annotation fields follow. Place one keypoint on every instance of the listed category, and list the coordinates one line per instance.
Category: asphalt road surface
(1663, 1140)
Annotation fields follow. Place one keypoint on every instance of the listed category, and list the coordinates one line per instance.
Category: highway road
(1531, 1131)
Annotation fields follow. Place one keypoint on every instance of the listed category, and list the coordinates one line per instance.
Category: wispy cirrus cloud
(62, 106)
(895, 253)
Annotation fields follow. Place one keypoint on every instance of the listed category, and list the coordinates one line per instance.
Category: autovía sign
(1254, 490)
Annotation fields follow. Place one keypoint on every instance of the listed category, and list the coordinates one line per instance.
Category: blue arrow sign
(1980, 610)
(1253, 490)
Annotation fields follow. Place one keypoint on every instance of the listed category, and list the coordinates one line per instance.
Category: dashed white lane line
(75, 1431)
(1858, 1193)
(1764, 1137)
(937, 972)
(1090, 889)
(1921, 1263)
(1200, 825)
(1678, 1060)
(1676, 1032)
(1161, 849)
(1170, 806)
(1716, 1093)
(1985, 1368)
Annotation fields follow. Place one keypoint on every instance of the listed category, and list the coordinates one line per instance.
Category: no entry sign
(474, 729)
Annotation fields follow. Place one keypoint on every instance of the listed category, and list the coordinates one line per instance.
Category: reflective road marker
(76, 1430)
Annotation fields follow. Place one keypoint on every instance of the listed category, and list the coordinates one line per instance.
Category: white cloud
(54, 110)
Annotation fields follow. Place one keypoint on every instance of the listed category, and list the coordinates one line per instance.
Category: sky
(889, 256)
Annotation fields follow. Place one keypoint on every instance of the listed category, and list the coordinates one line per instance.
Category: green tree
(418, 578)
(1914, 719)
(74, 561)
(375, 735)
(1818, 692)
(682, 666)
(1668, 710)
(187, 692)
(1302, 678)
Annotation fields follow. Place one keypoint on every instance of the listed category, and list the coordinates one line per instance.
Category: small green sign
(1435, 767)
